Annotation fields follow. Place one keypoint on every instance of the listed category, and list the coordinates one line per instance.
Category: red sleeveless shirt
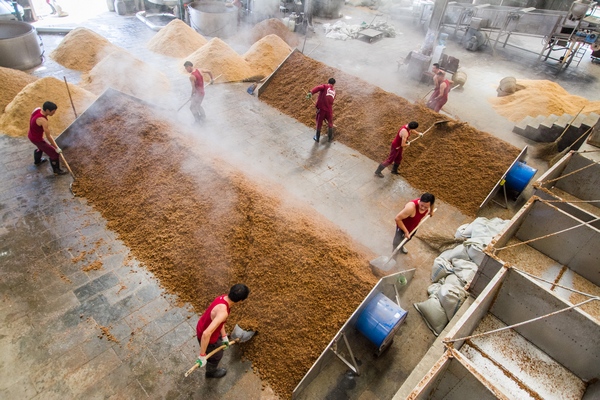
(36, 132)
(397, 142)
(206, 320)
(199, 81)
(411, 222)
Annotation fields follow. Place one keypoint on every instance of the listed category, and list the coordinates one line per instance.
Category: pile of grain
(81, 49)
(266, 54)
(176, 40)
(121, 71)
(201, 229)
(273, 26)
(456, 162)
(13, 81)
(217, 57)
(541, 97)
(15, 120)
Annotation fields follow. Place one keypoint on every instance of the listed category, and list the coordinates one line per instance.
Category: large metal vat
(213, 18)
(19, 45)
(328, 8)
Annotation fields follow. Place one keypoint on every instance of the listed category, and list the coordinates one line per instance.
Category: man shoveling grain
(197, 90)
(211, 329)
(38, 128)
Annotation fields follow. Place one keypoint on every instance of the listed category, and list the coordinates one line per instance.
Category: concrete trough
(557, 357)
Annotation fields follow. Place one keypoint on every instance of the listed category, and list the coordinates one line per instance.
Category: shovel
(188, 100)
(239, 336)
(386, 263)
(428, 129)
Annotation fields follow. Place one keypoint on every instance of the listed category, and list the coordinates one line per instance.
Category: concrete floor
(52, 311)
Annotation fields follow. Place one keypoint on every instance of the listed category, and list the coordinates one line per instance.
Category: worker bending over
(410, 216)
(324, 107)
(398, 144)
(38, 129)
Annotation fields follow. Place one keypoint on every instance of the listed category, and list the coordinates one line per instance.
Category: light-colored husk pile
(217, 57)
(15, 120)
(276, 27)
(81, 49)
(121, 71)
(266, 54)
(176, 39)
(13, 81)
(541, 97)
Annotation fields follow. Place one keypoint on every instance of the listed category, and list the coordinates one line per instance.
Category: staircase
(549, 128)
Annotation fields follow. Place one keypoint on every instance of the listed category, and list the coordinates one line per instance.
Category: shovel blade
(383, 263)
(240, 334)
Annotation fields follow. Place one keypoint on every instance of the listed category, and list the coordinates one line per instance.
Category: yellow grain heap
(15, 120)
(266, 54)
(273, 26)
(121, 71)
(217, 57)
(81, 49)
(176, 40)
(13, 81)
(541, 97)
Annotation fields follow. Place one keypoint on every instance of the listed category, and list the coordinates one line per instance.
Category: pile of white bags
(454, 269)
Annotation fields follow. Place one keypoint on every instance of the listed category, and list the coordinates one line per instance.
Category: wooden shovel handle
(209, 355)
(411, 233)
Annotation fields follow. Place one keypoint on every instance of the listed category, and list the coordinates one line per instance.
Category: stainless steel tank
(213, 18)
(327, 8)
(19, 45)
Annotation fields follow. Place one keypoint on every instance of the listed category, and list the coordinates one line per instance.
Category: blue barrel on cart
(380, 320)
(519, 176)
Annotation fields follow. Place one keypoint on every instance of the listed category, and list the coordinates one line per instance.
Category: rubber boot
(317, 136)
(37, 157)
(213, 372)
(395, 169)
(379, 169)
(56, 167)
(329, 134)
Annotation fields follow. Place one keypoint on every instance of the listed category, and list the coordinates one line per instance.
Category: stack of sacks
(454, 269)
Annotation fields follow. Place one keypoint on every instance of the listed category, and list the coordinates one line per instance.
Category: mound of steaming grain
(273, 26)
(15, 120)
(201, 226)
(217, 57)
(455, 162)
(13, 81)
(176, 39)
(541, 97)
(121, 71)
(81, 49)
(266, 54)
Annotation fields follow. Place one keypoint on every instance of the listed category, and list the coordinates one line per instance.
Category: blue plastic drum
(519, 176)
(380, 320)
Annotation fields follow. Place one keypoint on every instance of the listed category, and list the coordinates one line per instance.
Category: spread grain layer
(201, 228)
(456, 162)
(15, 120)
(13, 81)
(81, 49)
(176, 39)
(541, 97)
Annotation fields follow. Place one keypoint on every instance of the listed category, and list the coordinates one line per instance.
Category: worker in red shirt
(440, 97)
(398, 145)
(38, 128)
(197, 96)
(324, 107)
(211, 329)
(410, 216)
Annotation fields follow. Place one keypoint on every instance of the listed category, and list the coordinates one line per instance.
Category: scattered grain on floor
(176, 39)
(81, 49)
(15, 120)
(217, 57)
(541, 97)
(529, 260)
(13, 81)
(265, 55)
(201, 227)
(456, 162)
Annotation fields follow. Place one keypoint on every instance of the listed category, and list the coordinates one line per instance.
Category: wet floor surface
(56, 310)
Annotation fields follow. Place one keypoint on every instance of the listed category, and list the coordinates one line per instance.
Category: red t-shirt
(326, 96)
(36, 132)
(205, 319)
(411, 222)
(397, 142)
(199, 84)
